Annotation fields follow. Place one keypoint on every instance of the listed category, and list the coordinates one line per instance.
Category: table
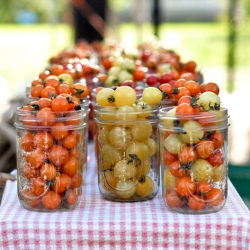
(101, 224)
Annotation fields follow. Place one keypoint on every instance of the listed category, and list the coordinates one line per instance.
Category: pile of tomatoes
(194, 143)
(52, 147)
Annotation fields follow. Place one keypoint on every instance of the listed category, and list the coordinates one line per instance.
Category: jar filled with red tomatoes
(51, 154)
(194, 161)
(126, 139)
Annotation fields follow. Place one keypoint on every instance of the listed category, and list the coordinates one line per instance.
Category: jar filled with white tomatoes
(194, 161)
(51, 156)
(127, 144)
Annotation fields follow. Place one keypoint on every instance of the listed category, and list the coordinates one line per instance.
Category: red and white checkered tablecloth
(101, 224)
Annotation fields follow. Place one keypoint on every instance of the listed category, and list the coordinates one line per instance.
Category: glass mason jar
(194, 160)
(51, 158)
(127, 152)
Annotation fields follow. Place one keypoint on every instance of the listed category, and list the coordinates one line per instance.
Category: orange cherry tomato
(61, 183)
(187, 154)
(43, 140)
(69, 141)
(196, 202)
(44, 103)
(48, 92)
(179, 92)
(80, 90)
(177, 170)
(193, 87)
(185, 186)
(27, 143)
(76, 180)
(58, 155)
(70, 167)
(71, 197)
(203, 187)
(204, 148)
(51, 200)
(36, 158)
(215, 197)
(60, 104)
(46, 117)
(172, 199)
(218, 139)
(59, 131)
(48, 171)
(169, 158)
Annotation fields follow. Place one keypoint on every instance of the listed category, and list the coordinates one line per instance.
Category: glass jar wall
(127, 152)
(51, 157)
(194, 161)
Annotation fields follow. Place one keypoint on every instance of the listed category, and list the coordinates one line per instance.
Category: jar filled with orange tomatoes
(126, 139)
(51, 154)
(194, 149)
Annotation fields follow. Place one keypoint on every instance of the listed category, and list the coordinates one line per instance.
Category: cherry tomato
(190, 66)
(44, 103)
(70, 167)
(38, 186)
(139, 74)
(71, 197)
(166, 88)
(172, 199)
(48, 92)
(64, 88)
(215, 197)
(179, 83)
(48, 171)
(30, 199)
(187, 154)
(185, 186)
(61, 183)
(216, 159)
(204, 148)
(46, 117)
(184, 109)
(43, 140)
(80, 90)
(53, 82)
(151, 80)
(60, 104)
(193, 87)
(196, 202)
(58, 155)
(129, 83)
(37, 90)
(76, 180)
(218, 139)
(59, 131)
(27, 143)
(166, 77)
(56, 69)
(210, 86)
(51, 200)
(177, 170)
(168, 157)
(179, 92)
(203, 187)
(36, 158)
(30, 171)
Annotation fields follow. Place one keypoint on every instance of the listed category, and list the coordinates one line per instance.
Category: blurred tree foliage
(9, 9)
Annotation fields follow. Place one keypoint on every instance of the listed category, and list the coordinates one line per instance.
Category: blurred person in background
(89, 19)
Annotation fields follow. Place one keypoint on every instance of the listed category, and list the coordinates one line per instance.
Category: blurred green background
(216, 36)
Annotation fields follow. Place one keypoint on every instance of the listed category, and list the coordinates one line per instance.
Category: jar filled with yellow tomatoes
(194, 149)
(51, 154)
(127, 143)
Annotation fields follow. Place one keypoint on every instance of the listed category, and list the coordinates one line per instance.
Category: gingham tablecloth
(101, 224)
